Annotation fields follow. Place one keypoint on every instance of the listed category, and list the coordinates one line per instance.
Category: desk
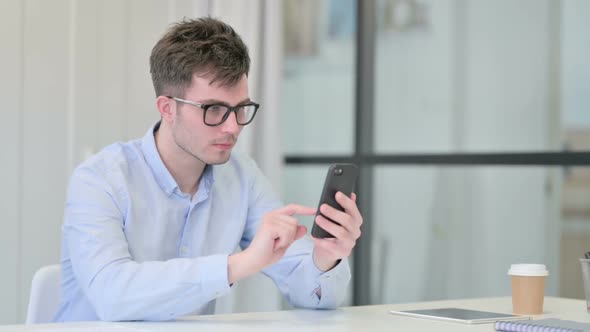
(363, 318)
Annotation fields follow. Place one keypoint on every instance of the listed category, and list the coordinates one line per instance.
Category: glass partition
(450, 77)
(318, 82)
(452, 232)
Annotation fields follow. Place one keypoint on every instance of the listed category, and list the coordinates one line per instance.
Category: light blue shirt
(136, 248)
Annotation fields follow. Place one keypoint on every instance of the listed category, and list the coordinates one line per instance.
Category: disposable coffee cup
(528, 288)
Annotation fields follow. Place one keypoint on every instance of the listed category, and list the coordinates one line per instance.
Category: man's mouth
(223, 146)
(225, 142)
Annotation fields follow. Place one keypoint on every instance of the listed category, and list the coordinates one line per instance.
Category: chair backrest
(45, 295)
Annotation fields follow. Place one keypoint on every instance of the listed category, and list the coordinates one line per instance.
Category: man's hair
(205, 46)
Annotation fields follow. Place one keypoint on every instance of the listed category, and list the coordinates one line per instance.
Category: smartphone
(340, 177)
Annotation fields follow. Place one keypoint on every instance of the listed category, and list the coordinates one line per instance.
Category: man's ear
(166, 107)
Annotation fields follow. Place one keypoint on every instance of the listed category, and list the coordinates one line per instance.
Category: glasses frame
(230, 109)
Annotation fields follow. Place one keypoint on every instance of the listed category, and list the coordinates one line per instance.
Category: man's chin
(219, 159)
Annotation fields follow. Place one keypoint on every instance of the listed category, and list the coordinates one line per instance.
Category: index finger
(292, 209)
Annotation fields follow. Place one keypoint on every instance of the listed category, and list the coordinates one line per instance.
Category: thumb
(301, 231)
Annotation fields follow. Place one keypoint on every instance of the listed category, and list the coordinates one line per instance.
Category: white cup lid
(529, 270)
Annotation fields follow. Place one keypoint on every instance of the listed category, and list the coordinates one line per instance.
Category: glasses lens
(245, 114)
(214, 114)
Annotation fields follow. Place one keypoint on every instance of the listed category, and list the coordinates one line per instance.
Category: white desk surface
(362, 318)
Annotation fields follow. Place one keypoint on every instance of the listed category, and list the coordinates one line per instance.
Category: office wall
(74, 79)
(10, 90)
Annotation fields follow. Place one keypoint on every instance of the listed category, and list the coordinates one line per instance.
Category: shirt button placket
(184, 252)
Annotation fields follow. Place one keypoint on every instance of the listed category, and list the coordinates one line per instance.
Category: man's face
(211, 145)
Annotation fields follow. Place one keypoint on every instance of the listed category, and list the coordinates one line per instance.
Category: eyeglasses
(216, 114)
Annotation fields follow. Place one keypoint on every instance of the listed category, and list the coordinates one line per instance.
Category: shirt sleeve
(300, 281)
(118, 287)
(296, 275)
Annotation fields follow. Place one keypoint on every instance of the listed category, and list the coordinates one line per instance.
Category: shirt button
(184, 250)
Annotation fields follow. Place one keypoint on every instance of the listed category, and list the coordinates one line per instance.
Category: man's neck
(184, 168)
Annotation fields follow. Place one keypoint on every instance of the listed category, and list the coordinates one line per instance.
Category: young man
(152, 226)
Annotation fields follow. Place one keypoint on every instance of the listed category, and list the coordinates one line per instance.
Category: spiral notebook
(553, 325)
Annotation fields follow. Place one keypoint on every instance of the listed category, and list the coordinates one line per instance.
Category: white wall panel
(10, 140)
(112, 72)
(179, 9)
(83, 83)
(147, 22)
(44, 149)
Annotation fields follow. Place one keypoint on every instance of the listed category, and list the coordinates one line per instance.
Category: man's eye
(216, 108)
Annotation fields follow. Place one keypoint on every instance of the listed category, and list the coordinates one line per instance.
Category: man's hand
(277, 231)
(329, 251)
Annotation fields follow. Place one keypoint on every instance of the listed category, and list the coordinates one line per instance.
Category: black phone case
(340, 177)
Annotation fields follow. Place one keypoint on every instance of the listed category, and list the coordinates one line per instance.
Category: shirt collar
(152, 157)
(159, 170)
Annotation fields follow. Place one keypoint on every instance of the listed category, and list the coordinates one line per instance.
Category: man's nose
(231, 123)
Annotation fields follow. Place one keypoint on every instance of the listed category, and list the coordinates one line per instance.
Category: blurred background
(336, 79)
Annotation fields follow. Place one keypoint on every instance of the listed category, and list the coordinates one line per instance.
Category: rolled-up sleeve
(303, 284)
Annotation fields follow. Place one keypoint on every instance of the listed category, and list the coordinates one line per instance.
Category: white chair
(45, 294)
